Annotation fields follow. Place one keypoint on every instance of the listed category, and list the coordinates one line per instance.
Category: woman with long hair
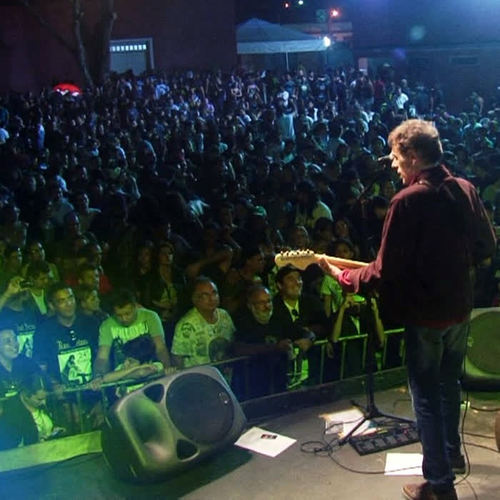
(163, 287)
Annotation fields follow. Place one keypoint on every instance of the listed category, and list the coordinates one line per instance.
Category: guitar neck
(342, 263)
(301, 259)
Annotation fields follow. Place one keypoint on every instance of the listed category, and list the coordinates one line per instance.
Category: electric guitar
(301, 259)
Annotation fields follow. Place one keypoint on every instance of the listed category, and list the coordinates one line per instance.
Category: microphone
(385, 160)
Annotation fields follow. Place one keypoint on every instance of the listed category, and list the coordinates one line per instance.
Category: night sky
(273, 10)
(382, 23)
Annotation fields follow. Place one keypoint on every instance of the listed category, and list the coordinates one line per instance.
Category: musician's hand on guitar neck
(329, 268)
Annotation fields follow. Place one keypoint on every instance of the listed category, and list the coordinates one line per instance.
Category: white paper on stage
(342, 422)
(265, 442)
(403, 464)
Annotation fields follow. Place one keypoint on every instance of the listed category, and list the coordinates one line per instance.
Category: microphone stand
(371, 412)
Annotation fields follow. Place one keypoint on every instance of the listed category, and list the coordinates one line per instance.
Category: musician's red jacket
(436, 231)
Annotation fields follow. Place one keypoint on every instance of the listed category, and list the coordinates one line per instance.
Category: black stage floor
(239, 474)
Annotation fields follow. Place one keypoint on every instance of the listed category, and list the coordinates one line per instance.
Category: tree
(90, 42)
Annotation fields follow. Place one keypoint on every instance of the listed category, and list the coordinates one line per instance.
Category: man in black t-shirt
(65, 344)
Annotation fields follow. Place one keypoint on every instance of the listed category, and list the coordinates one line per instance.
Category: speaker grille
(200, 408)
(484, 348)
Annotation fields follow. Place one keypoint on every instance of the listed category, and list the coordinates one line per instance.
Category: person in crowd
(216, 255)
(254, 336)
(163, 289)
(68, 334)
(12, 265)
(235, 235)
(322, 235)
(373, 223)
(388, 188)
(37, 280)
(140, 362)
(4, 133)
(89, 302)
(285, 114)
(205, 333)
(128, 321)
(435, 232)
(331, 291)
(144, 262)
(491, 192)
(85, 212)
(238, 280)
(325, 187)
(355, 316)
(69, 242)
(24, 419)
(14, 366)
(309, 208)
(400, 102)
(114, 229)
(15, 310)
(35, 252)
(343, 229)
(12, 227)
(88, 274)
(61, 207)
(92, 253)
(298, 316)
(298, 238)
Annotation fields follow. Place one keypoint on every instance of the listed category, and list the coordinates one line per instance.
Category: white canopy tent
(257, 36)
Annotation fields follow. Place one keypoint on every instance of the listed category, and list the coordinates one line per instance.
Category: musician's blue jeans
(435, 358)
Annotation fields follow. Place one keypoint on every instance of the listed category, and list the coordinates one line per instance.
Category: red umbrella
(66, 88)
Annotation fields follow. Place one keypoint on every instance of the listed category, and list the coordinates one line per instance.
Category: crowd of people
(139, 222)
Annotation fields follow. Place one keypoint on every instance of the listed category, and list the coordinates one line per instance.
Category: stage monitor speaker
(482, 369)
(170, 424)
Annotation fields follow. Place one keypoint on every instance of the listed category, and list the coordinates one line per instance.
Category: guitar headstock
(300, 259)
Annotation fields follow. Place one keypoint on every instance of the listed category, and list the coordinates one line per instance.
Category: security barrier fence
(81, 409)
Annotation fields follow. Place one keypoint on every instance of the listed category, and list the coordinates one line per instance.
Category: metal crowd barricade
(295, 371)
(344, 344)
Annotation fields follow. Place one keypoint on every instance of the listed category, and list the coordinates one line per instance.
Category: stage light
(300, 2)
(335, 13)
(286, 5)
